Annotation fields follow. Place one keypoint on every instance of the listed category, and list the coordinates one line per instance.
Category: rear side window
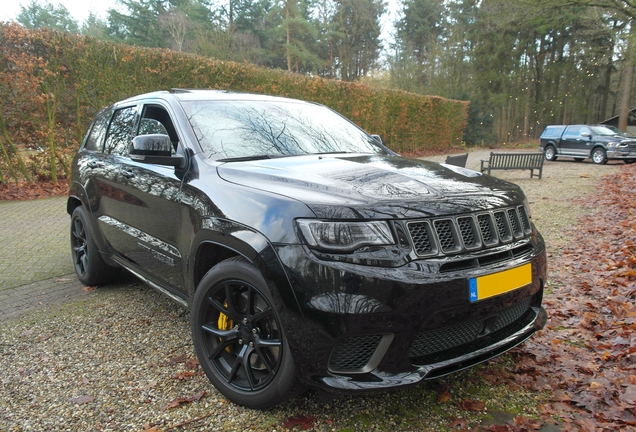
(121, 131)
(552, 132)
(95, 140)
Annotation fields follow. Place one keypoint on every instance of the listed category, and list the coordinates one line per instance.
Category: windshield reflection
(240, 129)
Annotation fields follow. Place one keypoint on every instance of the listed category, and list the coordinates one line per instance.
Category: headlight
(344, 236)
(613, 144)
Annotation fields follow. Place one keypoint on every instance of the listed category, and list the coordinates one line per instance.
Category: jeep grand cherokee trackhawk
(309, 254)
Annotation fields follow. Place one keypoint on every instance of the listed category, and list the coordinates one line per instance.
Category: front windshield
(602, 130)
(243, 129)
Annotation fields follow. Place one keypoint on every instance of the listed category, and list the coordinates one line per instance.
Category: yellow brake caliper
(225, 323)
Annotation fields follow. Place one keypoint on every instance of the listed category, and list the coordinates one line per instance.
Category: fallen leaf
(305, 422)
(176, 360)
(183, 375)
(444, 397)
(176, 402)
(192, 363)
(471, 405)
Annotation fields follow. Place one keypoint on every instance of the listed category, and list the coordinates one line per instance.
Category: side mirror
(154, 149)
(586, 135)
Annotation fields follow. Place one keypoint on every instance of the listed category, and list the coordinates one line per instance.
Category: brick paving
(35, 263)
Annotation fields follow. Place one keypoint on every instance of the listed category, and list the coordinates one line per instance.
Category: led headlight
(344, 236)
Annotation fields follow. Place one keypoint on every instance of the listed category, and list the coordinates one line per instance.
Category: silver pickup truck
(597, 142)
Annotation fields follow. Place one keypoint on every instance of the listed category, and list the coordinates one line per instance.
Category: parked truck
(597, 142)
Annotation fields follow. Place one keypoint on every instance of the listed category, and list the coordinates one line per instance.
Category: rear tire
(238, 337)
(550, 153)
(90, 267)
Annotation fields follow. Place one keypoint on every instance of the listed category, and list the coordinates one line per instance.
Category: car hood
(373, 186)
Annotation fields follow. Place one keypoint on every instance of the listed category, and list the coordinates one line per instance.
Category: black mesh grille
(433, 341)
(445, 234)
(484, 227)
(454, 234)
(353, 354)
(517, 230)
(466, 227)
(510, 315)
(421, 238)
(502, 226)
(441, 339)
(523, 216)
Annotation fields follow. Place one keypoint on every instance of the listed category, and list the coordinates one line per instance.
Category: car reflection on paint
(309, 254)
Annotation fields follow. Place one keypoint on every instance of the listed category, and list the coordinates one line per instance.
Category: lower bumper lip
(378, 380)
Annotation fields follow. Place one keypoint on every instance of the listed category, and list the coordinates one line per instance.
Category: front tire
(90, 267)
(238, 337)
(599, 156)
(550, 153)
(629, 161)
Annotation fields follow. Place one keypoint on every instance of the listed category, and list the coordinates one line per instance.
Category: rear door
(570, 141)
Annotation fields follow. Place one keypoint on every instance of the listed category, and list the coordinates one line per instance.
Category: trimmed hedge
(52, 84)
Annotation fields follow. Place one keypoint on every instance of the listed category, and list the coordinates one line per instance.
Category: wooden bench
(507, 161)
(457, 160)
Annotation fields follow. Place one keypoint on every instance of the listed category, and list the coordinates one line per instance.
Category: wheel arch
(553, 145)
(216, 247)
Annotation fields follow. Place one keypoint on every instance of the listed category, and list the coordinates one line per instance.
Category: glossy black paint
(170, 224)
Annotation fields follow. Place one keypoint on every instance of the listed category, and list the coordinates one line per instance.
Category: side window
(95, 139)
(121, 131)
(151, 126)
(572, 132)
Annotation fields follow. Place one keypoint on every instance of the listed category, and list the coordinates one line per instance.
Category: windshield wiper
(250, 158)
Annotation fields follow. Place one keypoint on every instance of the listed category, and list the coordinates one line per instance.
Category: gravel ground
(122, 359)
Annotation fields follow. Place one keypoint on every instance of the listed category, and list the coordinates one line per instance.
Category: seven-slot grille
(455, 234)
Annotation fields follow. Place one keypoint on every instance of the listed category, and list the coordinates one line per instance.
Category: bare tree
(175, 22)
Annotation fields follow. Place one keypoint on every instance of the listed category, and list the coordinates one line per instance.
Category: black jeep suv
(309, 254)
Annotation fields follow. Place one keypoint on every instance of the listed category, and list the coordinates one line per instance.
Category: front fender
(239, 239)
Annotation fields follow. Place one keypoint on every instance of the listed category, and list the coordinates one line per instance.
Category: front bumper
(367, 328)
(621, 153)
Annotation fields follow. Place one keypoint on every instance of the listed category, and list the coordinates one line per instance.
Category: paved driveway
(35, 263)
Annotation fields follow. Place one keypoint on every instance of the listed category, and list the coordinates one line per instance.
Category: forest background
(521, 64)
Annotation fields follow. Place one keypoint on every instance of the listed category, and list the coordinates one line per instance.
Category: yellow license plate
(483, 287)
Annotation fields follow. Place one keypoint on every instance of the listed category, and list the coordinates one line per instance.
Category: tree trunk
(623, 114)
(289, 66)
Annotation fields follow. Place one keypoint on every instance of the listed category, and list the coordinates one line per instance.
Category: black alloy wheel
(550, 153)
(89, 264)
(239, 339)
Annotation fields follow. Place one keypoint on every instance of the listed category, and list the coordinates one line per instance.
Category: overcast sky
(79, 9)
